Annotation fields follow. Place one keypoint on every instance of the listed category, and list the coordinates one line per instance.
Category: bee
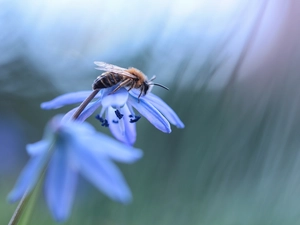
(129, 78)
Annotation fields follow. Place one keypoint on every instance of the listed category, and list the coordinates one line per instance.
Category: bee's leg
(132, 85)
(122, 84)
(142, 90)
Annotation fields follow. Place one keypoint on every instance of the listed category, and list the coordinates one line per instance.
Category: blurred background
(232, 67)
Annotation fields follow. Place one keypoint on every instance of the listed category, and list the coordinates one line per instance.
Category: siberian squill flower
(117, 111)
(69, 148)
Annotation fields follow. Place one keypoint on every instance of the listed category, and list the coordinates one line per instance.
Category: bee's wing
(108, 67)
(112, 68)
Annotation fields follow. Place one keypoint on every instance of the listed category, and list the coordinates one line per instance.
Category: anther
(115, 121)
(136, 118)
(99, 118)
(104, 122)
(118, 114)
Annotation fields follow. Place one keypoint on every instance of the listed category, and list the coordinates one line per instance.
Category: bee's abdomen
(106, 80)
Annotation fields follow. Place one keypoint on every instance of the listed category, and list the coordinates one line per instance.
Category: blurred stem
(25, 207)
(248, 44)
(24, 210)
(85, 103)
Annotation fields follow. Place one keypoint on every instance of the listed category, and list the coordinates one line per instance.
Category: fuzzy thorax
(140, 77)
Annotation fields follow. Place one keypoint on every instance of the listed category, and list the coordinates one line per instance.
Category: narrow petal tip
(12, 198)
(135, 155)
(38, 147)
(125, 200)
(60, 218)
(180, 125)
(66, 99)
(169, 130)
(46, 106)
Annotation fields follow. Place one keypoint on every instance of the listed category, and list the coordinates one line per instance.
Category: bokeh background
(232, 67)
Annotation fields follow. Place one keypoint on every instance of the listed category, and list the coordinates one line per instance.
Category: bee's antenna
(160, 85)
(152, 78)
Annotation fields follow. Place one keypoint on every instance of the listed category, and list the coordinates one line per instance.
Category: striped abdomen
(107, 79)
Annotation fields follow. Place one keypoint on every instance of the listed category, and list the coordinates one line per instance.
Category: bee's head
(146, 88)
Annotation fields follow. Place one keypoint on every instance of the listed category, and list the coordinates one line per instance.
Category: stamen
(115, 121)
(102, 111)
(136, 118)
(99, 118)
(104, 122)
(118, 114)
(130, 110)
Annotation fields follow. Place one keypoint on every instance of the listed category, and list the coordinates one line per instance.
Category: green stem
(18, 212)
(25, 207)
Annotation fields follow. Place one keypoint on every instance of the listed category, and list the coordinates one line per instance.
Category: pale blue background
(232, 67)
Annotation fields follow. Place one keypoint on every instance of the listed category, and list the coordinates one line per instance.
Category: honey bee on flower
(119, 91)
(131, 78)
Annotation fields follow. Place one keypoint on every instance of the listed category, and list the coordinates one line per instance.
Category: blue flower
(117, 111)
(76, 148)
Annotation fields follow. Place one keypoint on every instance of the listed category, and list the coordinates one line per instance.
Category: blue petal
(89, 110)
(37, 148)
(104, 146)
(151, 113)
(68, 116)
(73, 129)
(66, 99)
(129, 134)
(164, 109)
(116, 100)
(103, 174)
(60, 185)
(27, 178)
(84, 136)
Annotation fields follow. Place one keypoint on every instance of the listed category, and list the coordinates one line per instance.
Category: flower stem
(85, 103)
(18, 212)
(25, 207)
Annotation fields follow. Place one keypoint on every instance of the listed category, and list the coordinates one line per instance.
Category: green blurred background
(232, 67)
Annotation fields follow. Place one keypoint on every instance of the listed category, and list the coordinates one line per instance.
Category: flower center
(104, 122)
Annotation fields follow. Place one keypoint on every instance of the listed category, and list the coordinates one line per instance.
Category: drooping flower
(69, 148)
(117, 111)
